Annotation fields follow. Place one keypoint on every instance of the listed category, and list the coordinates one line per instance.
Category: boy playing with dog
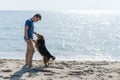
(28, 36)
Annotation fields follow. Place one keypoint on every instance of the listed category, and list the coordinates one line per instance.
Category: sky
(58, 5)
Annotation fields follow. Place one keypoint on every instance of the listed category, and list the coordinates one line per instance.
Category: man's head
(36, 17)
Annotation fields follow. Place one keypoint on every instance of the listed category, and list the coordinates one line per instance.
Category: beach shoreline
(13, 69)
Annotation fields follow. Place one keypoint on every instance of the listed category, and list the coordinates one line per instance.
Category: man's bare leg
(27, 55)
(31, 48)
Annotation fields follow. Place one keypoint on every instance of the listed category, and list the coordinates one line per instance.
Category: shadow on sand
(27, 72)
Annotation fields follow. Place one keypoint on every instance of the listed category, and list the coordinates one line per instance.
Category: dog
(41, 48)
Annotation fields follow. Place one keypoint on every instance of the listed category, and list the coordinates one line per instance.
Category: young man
(28, 36)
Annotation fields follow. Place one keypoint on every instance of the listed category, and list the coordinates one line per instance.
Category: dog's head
(40, 37)
(40, 40)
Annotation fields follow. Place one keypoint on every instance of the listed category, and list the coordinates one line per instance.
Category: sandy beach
(13, 69)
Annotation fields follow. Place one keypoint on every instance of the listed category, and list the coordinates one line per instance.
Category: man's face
(36, 19)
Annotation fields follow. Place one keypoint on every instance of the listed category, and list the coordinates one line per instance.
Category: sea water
(69, 35)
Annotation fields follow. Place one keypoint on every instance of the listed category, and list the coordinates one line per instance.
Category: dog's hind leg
(45, 61)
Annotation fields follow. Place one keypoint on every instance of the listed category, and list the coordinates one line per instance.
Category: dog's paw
(53, 58)
(46, 66)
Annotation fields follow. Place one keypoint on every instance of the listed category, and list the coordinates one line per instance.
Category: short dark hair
(37, 15)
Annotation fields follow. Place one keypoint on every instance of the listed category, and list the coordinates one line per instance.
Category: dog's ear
(42, 36)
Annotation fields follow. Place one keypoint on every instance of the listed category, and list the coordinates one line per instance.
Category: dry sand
(11, 69)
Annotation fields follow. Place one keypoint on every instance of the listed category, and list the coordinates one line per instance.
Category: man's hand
(36, 34)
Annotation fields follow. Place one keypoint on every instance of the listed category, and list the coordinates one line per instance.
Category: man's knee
(31, 48)
(32, 51)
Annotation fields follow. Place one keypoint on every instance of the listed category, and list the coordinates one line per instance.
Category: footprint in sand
(57, 67)
(49, 74)
(1, 76)
(60, 67)
(6, 70)
(75, 73)
(63, 76)
(110, 76)
(84, 72)
(46, 71)
(6, 77)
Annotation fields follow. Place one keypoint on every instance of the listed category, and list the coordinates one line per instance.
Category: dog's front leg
(35, 43)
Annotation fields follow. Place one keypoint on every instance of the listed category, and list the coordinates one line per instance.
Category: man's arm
(26, 35)
(36, 33)
(26, 32)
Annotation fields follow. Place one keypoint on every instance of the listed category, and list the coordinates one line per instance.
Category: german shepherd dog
(41, 48)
